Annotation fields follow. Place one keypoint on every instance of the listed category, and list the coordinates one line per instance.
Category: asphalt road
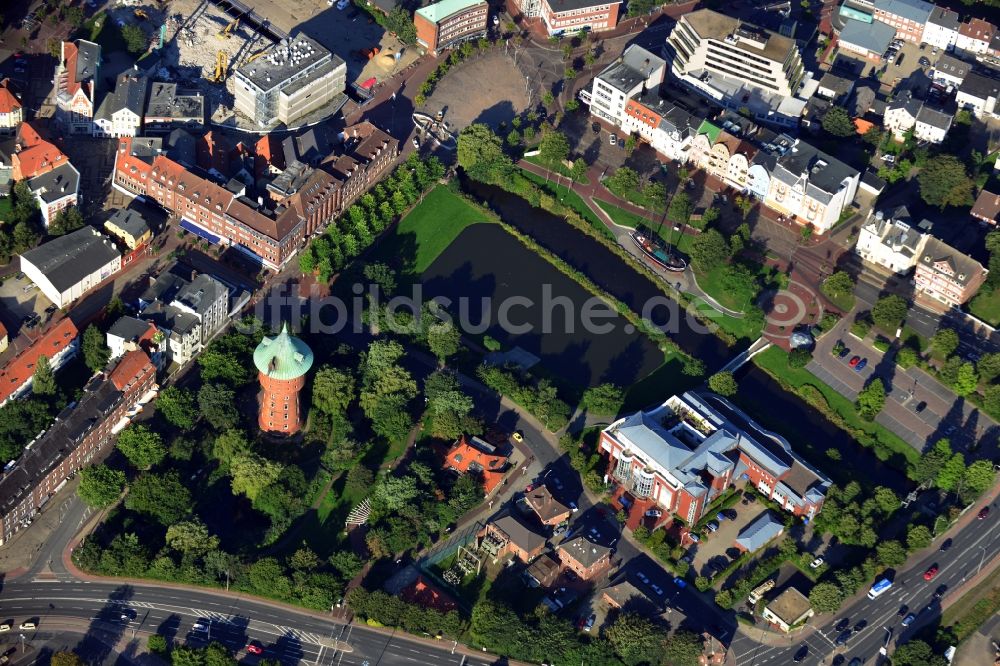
(973, 547)
(287, 635)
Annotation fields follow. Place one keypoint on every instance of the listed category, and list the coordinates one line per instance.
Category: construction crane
(221, 60)
(226, 32)
(141, 14)
(255, 56)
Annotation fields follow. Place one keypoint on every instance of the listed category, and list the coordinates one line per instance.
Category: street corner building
(677, 458)
(443, 25)
(81, 435)
(282, 363)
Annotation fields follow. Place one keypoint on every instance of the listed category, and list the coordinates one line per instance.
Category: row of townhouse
(786, 175)
(82, 434)
(679, 456)
(272, 228)
(907, 113)
(892, 244)
(568, 16)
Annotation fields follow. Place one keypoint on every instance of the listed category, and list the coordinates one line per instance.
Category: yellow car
(517, 436)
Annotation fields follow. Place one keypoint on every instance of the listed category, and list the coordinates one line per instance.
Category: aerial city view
(597, 332)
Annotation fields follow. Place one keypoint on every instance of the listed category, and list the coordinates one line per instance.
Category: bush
(906, 357)
(861, 327)
(881, 343)
(799, 358)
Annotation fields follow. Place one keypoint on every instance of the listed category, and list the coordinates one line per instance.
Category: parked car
(908, 620)
(654, 513)
(931, 572)
(854, 361)
(801, 653)
(589, 624)
(844, 623)
(595, 128)
(844, 352)
(720, 516)
(712, 526)
(902, 610)
(643, 577)
(517, 436)
(843, 637)
(861, 365)
(613, 140)
(816, 563)
(656, 588)
(924, 62)
(255, 648)
(860, 625)
(680, 582)
(985, 511)
(921, 406)
(946, 544)
(694, 537)
(416, 144)
(888, 158)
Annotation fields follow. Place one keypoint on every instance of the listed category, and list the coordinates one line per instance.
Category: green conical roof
(283, 356)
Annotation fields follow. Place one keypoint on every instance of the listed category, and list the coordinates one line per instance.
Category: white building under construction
(290, 80)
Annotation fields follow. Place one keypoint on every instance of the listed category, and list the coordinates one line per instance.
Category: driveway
(919, 409)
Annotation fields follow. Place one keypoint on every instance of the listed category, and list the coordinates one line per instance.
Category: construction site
(205, 42)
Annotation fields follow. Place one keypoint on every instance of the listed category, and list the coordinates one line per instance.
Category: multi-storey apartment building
(76, 79)
(890, 243)
(634, 73)
(58, 344)
(81, 435)
(270, 229)
(723, 156)
(974, 36)
(908, 17)
(665, 126)
(294, 78)
(170, 108)
(811, 187)
(979, 93)
(947, 275)
(941, 30)
(442, 25)
(679, 456)
(562, 16)
(706, 44)
(120, 112)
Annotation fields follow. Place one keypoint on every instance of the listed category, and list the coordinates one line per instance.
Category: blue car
(861, 365)
(680, 582)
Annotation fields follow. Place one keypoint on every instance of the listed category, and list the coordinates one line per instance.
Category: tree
(709, 250)
(136, 41)
(444, 340)
(252, 473)
(799, 358)
(578, 170)
(871, 399)
(683, 648)
(161, 496)
(380, 274)
(20, 422)
(623, 181)
(680, 208)
(636, 639)
(100, 486)
(839, 285)
(889, 311)
(228, 445)
(400, 23)
(481, 155)
(178, 407)
(945, 342)
(989, 365)
(978, 477)
(917, 653)
(837, 122)
(67, 220)
(43, 381)
(191, 537)
(217, 404)
(640, 7)
(944, 182)
(952, 473)
(554, 147)
(826, 597)
(142, 446)
(157, 644)
(931, 461)
(392, 493)
(887, 500)
(891, 553)
(333, 390)
(906, 356)
(967, 380)
(604, 399)
(723, 383)
(95, 350)
(918, 537)
(66, 659)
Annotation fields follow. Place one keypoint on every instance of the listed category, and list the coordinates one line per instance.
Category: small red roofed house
(476, 456)
(426, 594)
(33, 155)
(134, 368)
(269, 158)
(58, 344)
(11, 113)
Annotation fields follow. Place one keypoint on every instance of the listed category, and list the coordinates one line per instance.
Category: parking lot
(22, 303)
(711, 551)
(905, 71)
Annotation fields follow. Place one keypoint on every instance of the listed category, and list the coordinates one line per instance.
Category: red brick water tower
(282, 363)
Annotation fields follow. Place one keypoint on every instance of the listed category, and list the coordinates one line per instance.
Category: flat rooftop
(284, 60)
(743, 36)
(166, 101)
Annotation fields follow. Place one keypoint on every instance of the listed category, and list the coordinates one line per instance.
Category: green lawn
(986, 306)
(102, 30)
(739, 327)
(569, 198)
(712, 284)
(774, 361)
(6, 208)
(558, 168)
(845, 302)
(429, 228)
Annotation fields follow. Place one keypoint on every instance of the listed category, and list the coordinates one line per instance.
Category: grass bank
(569, 198)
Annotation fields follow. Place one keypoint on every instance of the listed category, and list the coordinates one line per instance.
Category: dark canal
(809, 432)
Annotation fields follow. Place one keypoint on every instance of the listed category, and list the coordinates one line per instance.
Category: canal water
(765, 399)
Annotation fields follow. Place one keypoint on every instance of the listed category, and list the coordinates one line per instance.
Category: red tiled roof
(977, 29)
(70, 52)
(133, 365)
(427, 595)
(987, 206)
(22, 367)
(8, 102)
(463, 455)
(37, 156)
